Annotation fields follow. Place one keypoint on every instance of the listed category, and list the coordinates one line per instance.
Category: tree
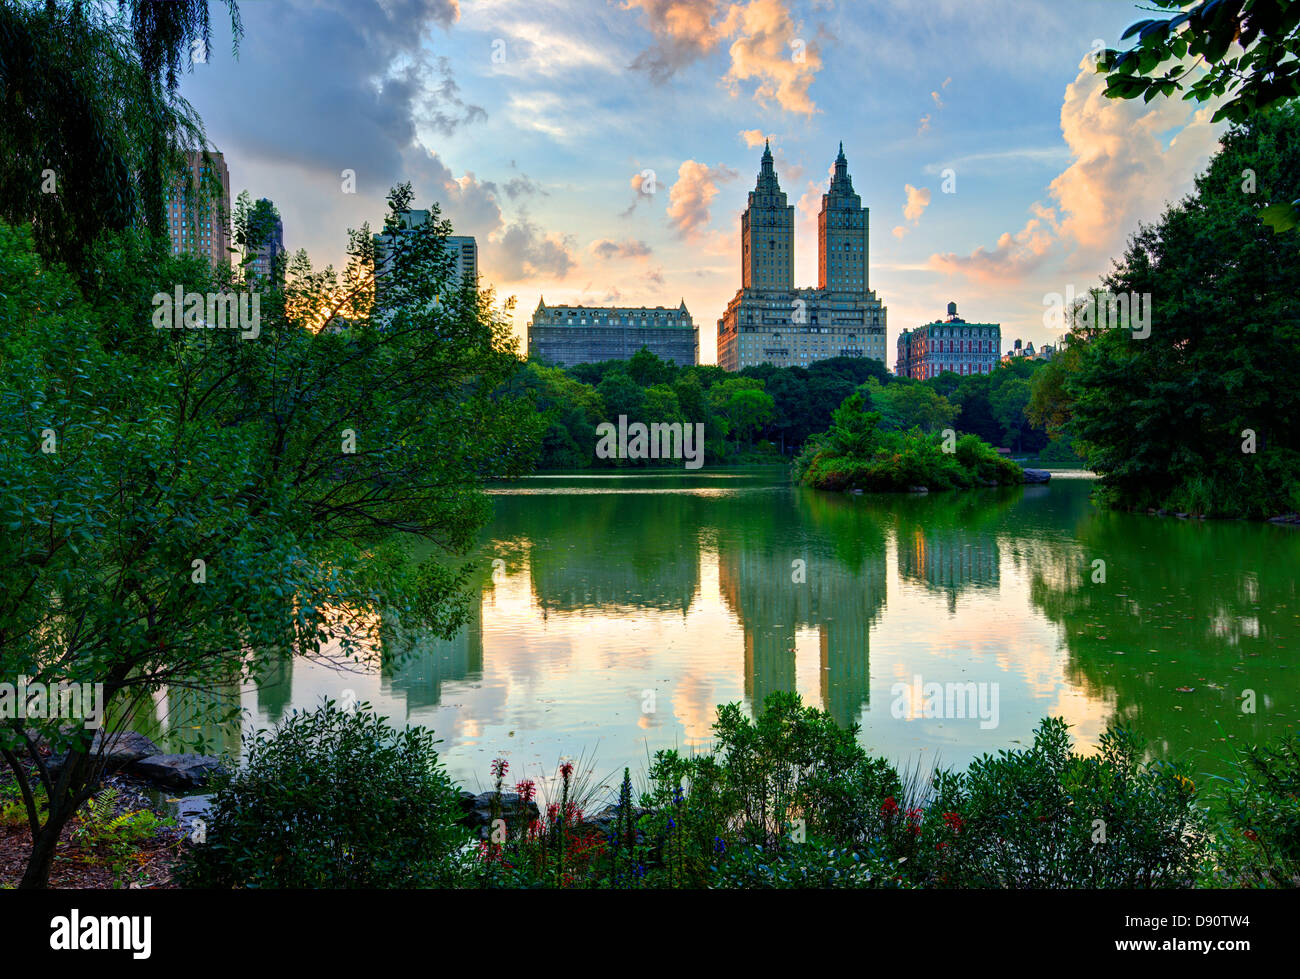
(743, 403)
(174, 498)
(904, 405)
(1203, 414)
(90, 137)
(1264, 73)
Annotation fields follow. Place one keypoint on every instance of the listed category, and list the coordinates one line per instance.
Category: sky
(601, 151)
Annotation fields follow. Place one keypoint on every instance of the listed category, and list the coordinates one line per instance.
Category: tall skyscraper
(770, 320)
(463, 248)
(273, 244)
(767, 234)
(201, 228)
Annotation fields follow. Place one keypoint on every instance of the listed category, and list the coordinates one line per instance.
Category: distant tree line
(767, 413)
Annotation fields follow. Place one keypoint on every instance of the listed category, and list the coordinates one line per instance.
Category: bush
(1260, 843)
(332, 799)
(1046, 817)
(856, 453)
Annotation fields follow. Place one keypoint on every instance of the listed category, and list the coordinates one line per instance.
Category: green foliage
(1170, 52)
(146, 450)
(813, 864)
(1165, 419)
(1260, 842)
(331, 798)
(855, 453)
(906, 404)
(1045, 817)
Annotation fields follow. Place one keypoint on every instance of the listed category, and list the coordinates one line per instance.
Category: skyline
(532, 126)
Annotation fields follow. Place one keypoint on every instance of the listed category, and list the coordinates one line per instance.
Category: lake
(617, 611)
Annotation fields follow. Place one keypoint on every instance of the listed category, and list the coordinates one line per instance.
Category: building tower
(842, 235)
(767, 234)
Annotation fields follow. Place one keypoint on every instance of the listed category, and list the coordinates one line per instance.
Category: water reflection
(623, 609)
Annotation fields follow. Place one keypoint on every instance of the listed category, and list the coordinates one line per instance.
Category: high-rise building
(949, 344)
(463, 248)
(199, 227)
(770, 320)
(273, 244)
(568, 335)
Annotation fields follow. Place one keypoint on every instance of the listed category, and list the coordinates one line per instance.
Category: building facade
(949, 344)
(568, 335)
(196, 226)
(1027, 352)
(272, 247)
(463, 250)
(770, 320)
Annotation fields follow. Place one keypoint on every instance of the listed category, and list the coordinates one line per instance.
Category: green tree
(1246, 50)
(1204, 413)
(173, 498)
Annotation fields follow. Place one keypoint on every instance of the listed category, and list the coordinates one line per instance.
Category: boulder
(519, 815)
(1037, 475)
(176, 771)
(918, 489)
(119, 749)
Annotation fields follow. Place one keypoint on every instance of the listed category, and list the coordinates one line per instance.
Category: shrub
(332, 799)
(1046, 817)
(1260, 841)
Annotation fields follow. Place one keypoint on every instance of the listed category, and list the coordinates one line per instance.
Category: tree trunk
(37, 874)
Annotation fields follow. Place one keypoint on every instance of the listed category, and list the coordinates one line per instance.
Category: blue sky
(531, 124)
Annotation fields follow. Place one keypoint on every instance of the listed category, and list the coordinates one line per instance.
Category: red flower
(889, 806)
(1250, 835)
(953, 821)
(566, 770)
(914, 816)
(527, 789)
(499, 767)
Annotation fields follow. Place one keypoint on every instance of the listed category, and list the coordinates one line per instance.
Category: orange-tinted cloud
(691, 195)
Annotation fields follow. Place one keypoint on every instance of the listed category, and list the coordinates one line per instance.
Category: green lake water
(623, 609)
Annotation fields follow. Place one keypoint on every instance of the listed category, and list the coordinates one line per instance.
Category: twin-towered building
(772, 321)
(949, 344)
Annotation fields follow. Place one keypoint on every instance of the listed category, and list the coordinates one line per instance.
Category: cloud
(899, 231)
(1014, 257)
(683, 33)
(692, 193)
(917, 202)
(1120, 172)
(627, 248)
(523, 251)
(537, 48)
(365, 67)
(765, 46)
(924, 124)
(767, 49)
(644, 184)
(754, 137)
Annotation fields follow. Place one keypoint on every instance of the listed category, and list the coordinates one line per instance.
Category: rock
(123, 748)
(519, 815)
(918, 489)
(1286, 518)
(190, 808)
(1037, 475)
(176, 771)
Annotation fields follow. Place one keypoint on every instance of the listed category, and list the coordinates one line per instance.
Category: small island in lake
(857, 453)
